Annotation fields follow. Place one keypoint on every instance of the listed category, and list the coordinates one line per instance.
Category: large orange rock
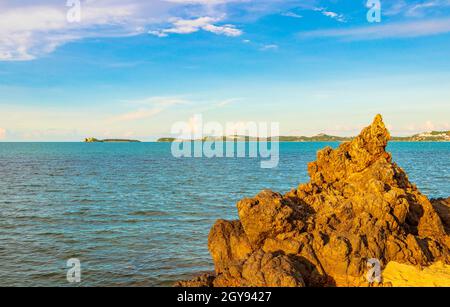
(357, 206)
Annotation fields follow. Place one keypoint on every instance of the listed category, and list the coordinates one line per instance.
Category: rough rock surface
(357, 206)
(442, 207)
(403, 275)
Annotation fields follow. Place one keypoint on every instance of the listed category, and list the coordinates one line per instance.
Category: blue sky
(133, 68)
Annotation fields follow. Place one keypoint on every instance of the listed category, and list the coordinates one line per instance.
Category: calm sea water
(136, 216)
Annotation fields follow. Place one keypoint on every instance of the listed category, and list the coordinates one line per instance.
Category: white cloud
(17, 34)
(2, 133)
(227, 30)
(188, 26)
(427, 126)
(333, 15)
(31, 30)
(157, 33)
(393, 30)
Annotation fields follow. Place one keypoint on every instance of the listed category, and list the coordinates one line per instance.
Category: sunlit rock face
(358, 205)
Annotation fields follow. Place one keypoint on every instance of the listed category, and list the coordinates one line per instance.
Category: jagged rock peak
(351, 157)
(375, 137)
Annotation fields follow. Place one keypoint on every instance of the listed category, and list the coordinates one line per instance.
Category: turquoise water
(134, 215)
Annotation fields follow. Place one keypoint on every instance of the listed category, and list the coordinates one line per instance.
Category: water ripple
(134, 215)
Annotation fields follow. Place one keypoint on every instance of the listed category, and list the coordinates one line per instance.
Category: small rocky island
(358, 205)
(94, 140)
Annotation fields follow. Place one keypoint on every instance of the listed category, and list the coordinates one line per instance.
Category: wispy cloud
(414, 8)
(228, 102)
(271, 47)
(151, 107)
(158, 100)
(291, 14)
(188, 26)
(32, 30)
(385, 31)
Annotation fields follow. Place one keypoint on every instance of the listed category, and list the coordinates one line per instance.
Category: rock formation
(357, 206)
(442, 207)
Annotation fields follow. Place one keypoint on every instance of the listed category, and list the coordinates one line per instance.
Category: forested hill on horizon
(433, 136)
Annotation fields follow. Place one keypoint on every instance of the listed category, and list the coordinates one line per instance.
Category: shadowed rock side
(358, 205)
(442, 207)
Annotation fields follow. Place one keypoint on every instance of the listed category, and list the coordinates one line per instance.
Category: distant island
(94, 140)
(166, 140)
(433, 136)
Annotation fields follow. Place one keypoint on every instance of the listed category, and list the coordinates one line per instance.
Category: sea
(134, 215)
